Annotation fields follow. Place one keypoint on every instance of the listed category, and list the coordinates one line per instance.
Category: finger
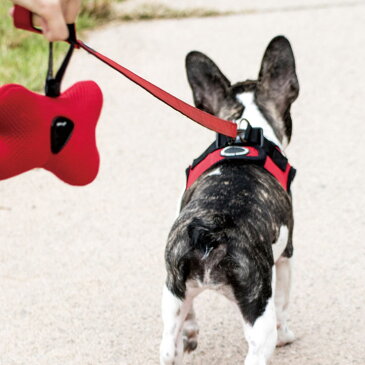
(35, 6)
(53, 17)
(71, 9)
(55, 29)
(37, 21)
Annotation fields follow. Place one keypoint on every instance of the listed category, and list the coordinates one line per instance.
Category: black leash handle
(53, 84)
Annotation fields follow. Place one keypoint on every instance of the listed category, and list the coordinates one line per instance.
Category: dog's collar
(251, 148)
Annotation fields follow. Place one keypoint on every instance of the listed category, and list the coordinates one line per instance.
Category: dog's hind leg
(283, 279)
(190, 331)
(259, 320)
(174, 313)
(261, 336)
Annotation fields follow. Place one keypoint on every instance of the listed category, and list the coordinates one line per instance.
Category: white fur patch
(174, 312)
(262, 336)
(216, 171)
(283, 282)
(255, 117)
(279, 246)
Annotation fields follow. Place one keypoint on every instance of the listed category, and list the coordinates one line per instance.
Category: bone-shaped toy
(57, 134)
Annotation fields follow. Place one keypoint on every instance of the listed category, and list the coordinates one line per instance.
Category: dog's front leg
(174, 312)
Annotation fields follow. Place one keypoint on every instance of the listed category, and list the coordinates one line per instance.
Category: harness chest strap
(281, 170)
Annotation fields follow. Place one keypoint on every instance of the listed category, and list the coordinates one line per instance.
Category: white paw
(169, 354)
(255, 360)
(170, 359)
(285, 336)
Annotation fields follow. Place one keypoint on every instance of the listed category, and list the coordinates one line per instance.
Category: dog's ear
(277, 85)
(210, 87)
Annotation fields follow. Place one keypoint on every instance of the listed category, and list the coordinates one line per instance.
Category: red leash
(23, 20)
(205, 119)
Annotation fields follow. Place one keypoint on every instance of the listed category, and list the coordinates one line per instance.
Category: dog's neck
(256, 119)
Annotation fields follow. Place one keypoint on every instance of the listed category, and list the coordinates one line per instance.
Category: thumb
(54, 27)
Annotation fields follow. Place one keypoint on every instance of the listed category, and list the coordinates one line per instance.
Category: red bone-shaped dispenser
(57, 134)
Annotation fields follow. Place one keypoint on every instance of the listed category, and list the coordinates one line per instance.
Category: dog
(235, 227)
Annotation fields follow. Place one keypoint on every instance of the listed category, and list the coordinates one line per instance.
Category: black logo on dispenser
(61, 131)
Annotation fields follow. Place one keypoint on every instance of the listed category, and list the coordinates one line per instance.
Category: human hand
(52, 16)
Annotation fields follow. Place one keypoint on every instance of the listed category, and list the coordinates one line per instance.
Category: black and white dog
(234, 231)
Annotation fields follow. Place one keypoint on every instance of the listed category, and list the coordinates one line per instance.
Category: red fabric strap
(205, 119)
(214, 157)
(281, 176)
(23, 19)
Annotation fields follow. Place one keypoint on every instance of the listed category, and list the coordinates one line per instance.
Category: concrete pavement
(81, 269)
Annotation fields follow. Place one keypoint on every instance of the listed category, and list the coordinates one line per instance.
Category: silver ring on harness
(243, 129)
(249, 135)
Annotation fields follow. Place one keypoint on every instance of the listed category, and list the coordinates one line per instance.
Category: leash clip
(244, 130)
(249, 135)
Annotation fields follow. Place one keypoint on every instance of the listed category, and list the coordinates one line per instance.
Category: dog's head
(264, 103)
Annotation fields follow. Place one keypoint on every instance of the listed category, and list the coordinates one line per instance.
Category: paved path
(81, 269)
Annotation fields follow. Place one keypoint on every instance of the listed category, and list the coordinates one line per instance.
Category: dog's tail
(208, 237)
(196, 245)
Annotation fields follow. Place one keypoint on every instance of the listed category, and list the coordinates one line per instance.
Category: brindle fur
(228, 222)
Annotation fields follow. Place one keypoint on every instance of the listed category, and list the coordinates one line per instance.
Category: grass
(152, 11)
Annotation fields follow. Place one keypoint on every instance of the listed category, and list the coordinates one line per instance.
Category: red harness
(267, 155)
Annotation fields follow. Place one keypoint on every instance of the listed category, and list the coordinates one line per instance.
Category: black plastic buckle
(256, 137)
